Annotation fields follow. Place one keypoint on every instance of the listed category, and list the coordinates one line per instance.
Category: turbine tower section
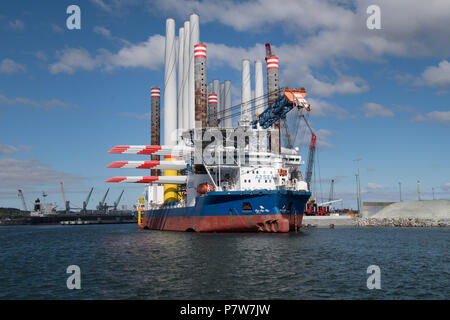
(200, 85)
(273, 94)
(185, 83)
(227, 104)
(246, 94)
(212, 109)
(155, 115)
(170, 105)
(194, 39)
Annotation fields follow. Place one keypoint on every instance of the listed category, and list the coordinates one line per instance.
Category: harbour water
(125, 262)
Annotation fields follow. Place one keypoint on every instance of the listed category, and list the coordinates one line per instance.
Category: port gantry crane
(101, 204)
(66, 203)
(312, 151)
(85, 202)
(116, 203)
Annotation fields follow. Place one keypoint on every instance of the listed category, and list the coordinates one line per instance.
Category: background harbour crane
(101, 204)
(331, 191)
(85, 202)
(116, 203)
(23, 200)
(66, 203)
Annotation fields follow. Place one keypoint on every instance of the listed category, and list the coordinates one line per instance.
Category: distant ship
(219, 178)
(43, 209)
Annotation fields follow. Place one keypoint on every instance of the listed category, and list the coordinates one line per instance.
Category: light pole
(357, 192)
(418, 189)
(358, 185)
(400, 190)
(433, 192)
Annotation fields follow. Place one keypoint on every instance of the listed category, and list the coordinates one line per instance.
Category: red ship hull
(242, 223)
(233, 211)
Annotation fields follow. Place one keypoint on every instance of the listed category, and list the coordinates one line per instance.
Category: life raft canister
(204, 188)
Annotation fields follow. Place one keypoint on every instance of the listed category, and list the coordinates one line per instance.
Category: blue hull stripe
(224, 203)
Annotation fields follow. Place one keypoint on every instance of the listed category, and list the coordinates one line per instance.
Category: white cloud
(72, 59)
(321, 31)
(343, 85)
(323, 108)
(372, 186)
(57, 28)
(115, 7)
(17, 173)
(16, 24)
(102, 5)
(436, 76)
(434, 116)
(46, 104)
(10, 66)
(322, 139)
(446, 186)
(41, 55)
(221, 54)
(322, 135)
(139, 116)
(56, 103)
(102, 31)
(108, 35)
(148, 54)
(6, 150)
(333, 28)
(5, 101)
(373, 109)
(322, 28)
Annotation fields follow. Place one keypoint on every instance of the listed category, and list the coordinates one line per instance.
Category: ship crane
(291, 98)
(329, 202)
(312, 151)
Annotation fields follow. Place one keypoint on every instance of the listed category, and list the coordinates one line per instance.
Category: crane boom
(331, 191)
(63, 193)
(85, 203)
(104, 197)
(291, 98)
(312, 151)
(101, 205)
(118, 200)
(66, 203)
(23, 200)
(329, 202)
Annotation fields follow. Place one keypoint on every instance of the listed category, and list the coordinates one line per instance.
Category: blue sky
(68, 96)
